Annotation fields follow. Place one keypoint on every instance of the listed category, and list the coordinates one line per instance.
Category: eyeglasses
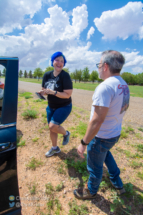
(98, 65)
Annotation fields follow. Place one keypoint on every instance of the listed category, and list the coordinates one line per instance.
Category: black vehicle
(9, 191)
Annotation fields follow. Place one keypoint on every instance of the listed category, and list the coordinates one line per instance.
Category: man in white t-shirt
(110, 101)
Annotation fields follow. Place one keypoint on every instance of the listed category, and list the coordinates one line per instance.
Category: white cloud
(137, 70)
(40, 41)
(90, 32)
(13, 12)
(121, 23)
(133, 59)
(141, 33)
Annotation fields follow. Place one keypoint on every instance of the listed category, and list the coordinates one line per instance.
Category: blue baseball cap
(55, 55)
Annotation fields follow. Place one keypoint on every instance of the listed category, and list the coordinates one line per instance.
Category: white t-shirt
(114, 94)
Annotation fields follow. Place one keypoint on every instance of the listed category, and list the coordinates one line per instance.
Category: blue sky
(82, 29)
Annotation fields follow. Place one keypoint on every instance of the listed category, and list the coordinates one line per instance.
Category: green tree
(140, 78)
(38, 73)
(25, 74)
(66, 70)
(94, 76)
(20, 74)
(49, 68)
(128, 77)
(4, 72)
(30, 74)
(85, 74)
(79, 75)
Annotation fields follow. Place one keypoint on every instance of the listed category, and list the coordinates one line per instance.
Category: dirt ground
(35, 133)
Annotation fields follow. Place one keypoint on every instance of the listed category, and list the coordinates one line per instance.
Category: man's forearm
(92, 130)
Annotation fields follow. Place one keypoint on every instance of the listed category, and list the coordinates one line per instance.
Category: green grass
(32, 189)
(61, 170)
(140, 129)
(136, 91)
(30, 114)
(135, 164)
(34, 163)
(59, 187)
(35, 139)
(77, 209)
(81, 128)
(49, 188)
(27, 95)
(140, 148)
(140, 175)
(22, 143)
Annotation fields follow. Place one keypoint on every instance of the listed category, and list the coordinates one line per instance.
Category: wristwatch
(55, 93)
(83, 143)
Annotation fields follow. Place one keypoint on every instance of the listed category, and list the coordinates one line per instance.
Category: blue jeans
(98, 153)
(59, 115)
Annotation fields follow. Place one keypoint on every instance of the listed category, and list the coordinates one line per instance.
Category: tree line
(80, 75)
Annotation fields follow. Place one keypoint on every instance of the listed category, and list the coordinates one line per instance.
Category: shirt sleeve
(102, 96)
(67, 82)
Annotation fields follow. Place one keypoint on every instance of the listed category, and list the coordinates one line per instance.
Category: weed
(27, 95)
(38, 100)
(135, 164)
(103, 186)
(118, 206)
(58, 204)
(44, 115)
(59, 187)
(140, 129)
(124, 134)
(22, 143)
(81, 128)
(80, 167)
(77, 115)
(19, 138)
(74, 135)
(137, 155)
(34, 163)
(140, 148)
(49, 188)
(32, 189)
(77, 210)
(50, 204)
(28, 114)
(128, 129)
(35, 139)
(140, 175)
(138, 135)
(60, 170)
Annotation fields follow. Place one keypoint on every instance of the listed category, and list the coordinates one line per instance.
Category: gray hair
(114, 59)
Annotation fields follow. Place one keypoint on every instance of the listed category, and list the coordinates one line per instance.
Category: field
(136, 91)
(47, 184)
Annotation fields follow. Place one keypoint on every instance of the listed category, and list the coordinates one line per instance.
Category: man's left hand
(80, 150)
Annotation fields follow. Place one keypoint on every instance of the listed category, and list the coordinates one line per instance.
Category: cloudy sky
(34, 29)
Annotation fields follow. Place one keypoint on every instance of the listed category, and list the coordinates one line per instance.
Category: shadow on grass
(130, 203)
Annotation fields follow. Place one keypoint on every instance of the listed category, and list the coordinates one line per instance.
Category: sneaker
(52, 151)
(120, 191)
(83, 193)
(66, 138)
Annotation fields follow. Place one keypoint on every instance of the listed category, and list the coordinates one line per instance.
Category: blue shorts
(59, 115)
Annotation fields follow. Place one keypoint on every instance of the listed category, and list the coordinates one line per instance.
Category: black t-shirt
(58, 83)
